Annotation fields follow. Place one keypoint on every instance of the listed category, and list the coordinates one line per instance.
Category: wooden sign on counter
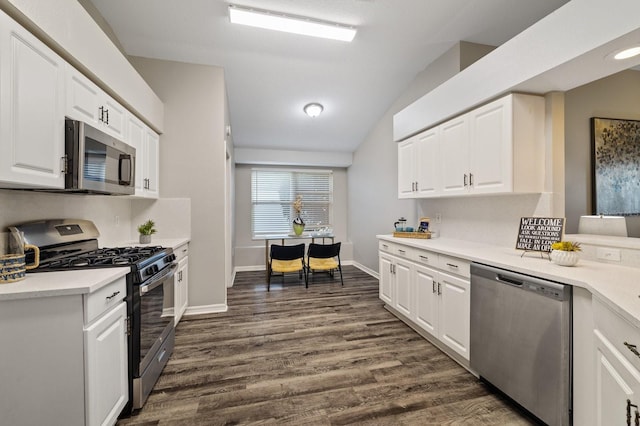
(538, 233)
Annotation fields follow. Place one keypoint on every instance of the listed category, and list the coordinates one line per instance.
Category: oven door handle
(158, 279)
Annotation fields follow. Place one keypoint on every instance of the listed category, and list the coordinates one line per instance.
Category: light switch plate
(606, 253)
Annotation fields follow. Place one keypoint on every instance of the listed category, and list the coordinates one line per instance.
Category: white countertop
(617, 286)
(174, 243)
(61, 283)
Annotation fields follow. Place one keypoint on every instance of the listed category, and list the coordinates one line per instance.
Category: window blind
(274, 191)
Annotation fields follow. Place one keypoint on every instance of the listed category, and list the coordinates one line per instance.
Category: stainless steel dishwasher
(521, 340)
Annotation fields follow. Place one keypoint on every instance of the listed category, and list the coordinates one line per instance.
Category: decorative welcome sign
(538, 233)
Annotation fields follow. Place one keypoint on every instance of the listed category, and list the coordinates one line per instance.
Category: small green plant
(147, 228)
(566, 246)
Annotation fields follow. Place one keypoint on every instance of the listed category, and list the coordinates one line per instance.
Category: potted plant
(146, 230)
(565, 253)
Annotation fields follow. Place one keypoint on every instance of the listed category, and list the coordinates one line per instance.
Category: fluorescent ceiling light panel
(290, 24)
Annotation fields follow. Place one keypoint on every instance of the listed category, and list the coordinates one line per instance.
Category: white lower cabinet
(617, 368)
(181, 282)
(396, 284)
(436, 297)
(106, 375)
(454, 313)
(63, 359)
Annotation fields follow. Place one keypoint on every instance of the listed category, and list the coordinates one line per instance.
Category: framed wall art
(615, 166)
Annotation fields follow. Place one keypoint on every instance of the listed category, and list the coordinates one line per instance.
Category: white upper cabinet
(88, 103)
(152, 164)
(32, 110)
(146, 142)
(418, 165)
(454, 148)
(496, 148)
(406, 166)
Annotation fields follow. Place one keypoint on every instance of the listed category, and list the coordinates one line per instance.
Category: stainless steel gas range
(72, 244)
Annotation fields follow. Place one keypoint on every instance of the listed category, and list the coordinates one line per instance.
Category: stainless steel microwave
(96, 162)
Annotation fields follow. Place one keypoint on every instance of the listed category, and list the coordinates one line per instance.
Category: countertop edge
(60, 283)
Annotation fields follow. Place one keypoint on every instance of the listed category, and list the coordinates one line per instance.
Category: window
(274, 191)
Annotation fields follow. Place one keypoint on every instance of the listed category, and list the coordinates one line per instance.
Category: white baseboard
(250, 268)
(206, 309)
(367, 270)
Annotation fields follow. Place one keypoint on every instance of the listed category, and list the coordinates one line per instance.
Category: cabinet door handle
(101, 109)
(470, 178)
(115, 293)
(439, 289)
(64, 165)
(416, 186)
(633, 349)
(465, 179)
(433, 286)
(629, 405)
(107, 111)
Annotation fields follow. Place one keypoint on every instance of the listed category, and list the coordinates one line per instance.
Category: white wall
(193, 157)
(251, 253)
(373, 176)
(616, 96)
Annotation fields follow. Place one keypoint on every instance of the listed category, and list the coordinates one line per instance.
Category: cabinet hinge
(128, 326)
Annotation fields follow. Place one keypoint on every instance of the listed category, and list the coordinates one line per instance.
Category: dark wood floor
(327, 355)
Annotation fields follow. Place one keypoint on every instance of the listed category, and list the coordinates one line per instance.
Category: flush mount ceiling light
(289, 23)
(627, 53)
(313, 109)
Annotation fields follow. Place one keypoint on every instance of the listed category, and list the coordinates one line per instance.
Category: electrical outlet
(606, 253)
(438, 218)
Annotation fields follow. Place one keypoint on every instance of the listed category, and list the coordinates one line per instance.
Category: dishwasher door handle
(509, 280)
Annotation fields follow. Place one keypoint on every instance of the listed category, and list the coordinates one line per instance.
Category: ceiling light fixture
(627, 53)
(291, 24)
(313, 109)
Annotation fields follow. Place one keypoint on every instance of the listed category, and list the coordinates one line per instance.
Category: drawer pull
(424, 258)
(451, 265)
(113, 295)
(632, 348)
(385, 246)
(401, 251)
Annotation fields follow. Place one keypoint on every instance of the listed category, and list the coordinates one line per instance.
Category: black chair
(324, 257)
(285, 259)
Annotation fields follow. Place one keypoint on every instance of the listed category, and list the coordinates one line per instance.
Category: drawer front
(426, 258)
(182, 251)
(622, 334)
(103, 299)
(396, 249)
(454, 265)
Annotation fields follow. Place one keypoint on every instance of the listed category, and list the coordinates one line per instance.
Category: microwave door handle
(125, 170)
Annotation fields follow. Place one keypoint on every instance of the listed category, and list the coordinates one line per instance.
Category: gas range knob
(170, 258)
(151, 270)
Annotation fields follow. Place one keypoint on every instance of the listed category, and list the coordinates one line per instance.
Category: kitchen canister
(13, 266)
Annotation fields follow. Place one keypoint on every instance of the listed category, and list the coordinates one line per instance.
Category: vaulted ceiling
(271, 75)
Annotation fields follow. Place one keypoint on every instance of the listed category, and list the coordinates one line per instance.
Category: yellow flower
(566, 246)
(297, 204)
